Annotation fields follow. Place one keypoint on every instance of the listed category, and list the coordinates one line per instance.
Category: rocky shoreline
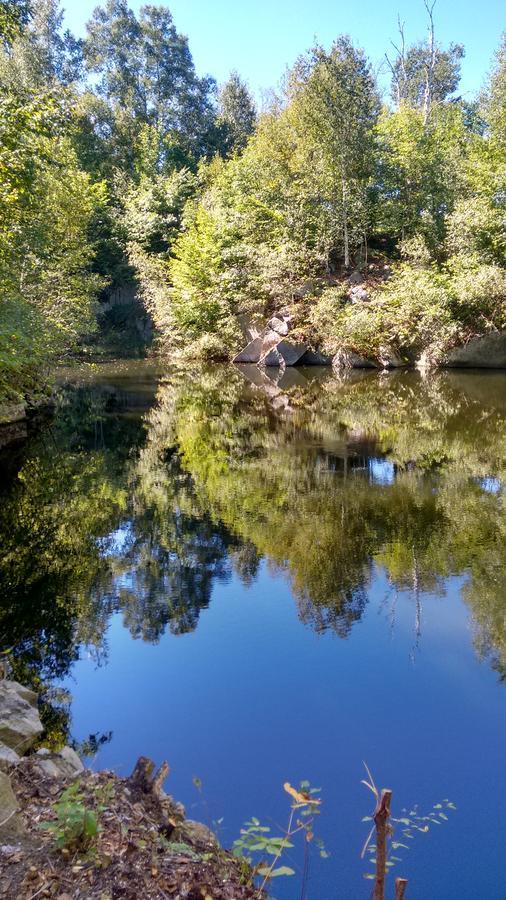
(143, 844)
(271, 347)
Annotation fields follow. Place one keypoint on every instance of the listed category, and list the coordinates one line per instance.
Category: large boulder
(347, 359)
(20, 725)
(259, 347)
(356, 277)
(390, 358)
(291, 353)
(279, 325)
(485, 352)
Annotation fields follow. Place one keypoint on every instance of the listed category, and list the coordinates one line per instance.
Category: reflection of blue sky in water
(253, 698)
(381, 471)
(118, 542)
(490, 485)
(289, 609)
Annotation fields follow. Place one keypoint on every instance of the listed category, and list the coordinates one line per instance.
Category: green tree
(424, 74)
(335, 107)
(236, 113)
(145, 68)
(43, 56)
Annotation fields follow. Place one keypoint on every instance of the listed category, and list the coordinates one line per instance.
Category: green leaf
(282, 870)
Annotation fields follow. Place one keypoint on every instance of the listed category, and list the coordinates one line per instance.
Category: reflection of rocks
(20, 725)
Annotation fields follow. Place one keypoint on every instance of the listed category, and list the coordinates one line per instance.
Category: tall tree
(237, 112)
(43, 55)
(14, 14)
(146, 69)
(335, 106)
(424, 73)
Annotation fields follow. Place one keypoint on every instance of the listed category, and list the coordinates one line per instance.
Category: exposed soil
(145, 847)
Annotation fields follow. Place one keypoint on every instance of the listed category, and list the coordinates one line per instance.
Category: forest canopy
(123, 171)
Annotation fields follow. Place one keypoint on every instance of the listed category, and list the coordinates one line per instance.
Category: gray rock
(12, 412)
(358, 295)
(259, 347)
(273, 359)
(63, 764)
(11, 825)
(347, 359)
(315, 358)
(291, 353)
(30, 696)
(356, 277)
(20, 725)
(8, 758)
(197, 834)
(390, 358)
(486, 352)
(279, 325)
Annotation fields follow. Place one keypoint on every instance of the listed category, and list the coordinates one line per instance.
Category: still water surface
(266, 580)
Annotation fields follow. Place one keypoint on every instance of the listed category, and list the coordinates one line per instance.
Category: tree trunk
(381, 817)
(346, 241)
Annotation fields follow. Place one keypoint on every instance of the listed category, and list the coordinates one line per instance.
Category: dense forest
(125, 173)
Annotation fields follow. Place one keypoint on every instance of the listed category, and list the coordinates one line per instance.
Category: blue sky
(260, 38)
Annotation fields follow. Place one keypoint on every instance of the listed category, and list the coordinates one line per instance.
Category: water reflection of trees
(291, 477)
(115, 511)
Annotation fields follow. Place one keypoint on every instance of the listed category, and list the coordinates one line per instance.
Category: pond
(267, 579)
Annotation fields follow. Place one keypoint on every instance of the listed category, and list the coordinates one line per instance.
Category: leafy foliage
(258, 839)
(76, 825)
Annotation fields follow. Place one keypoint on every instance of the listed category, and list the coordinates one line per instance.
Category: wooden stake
(400, 888)
(381, 817)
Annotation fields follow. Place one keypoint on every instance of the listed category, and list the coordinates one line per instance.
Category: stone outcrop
(347, 359)
(286, 353)
(20, 725)
(390, 358)
(271, 348)
(485, 352)
(259, 347)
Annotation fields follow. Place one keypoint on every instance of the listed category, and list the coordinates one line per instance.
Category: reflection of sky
(490, 484)
(117, 542)
(381, 471)
(253, 697)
